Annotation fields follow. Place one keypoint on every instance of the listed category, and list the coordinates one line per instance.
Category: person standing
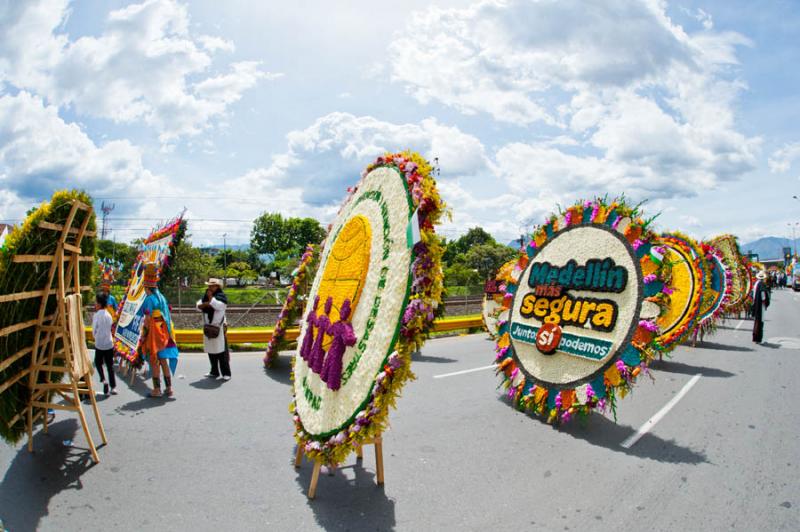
(760, 304)
(105, 288)
(159, 338)
(213, 305)
(103, 343)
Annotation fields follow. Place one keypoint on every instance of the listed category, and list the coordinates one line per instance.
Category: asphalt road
(725, 456)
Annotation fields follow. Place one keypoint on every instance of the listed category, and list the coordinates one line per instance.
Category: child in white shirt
(103, 343)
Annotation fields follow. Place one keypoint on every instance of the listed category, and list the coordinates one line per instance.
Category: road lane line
(650, 423)
(741, 322)
(443, 375)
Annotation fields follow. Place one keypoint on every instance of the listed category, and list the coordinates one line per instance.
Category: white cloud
(636, 104)
(145, 66)
(40, 153)
(325, 158)
(782, 159)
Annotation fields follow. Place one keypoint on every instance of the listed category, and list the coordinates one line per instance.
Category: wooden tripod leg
(379, 459)
(84, 424)
(30, 428)
(312, 489)
(96, 410)
(359, 453)
(298, 458)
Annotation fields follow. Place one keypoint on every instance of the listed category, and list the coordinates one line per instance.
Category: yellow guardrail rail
(255, 336)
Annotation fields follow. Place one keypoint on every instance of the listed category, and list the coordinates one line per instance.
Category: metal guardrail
(244, 335)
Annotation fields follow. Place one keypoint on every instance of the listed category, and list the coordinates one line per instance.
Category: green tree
(241, 271)
(476, 236)
(124, 253)
(487, 258)
(303, 231)
(268, 234)
(191, 264)
(273, 234)
(460, 275)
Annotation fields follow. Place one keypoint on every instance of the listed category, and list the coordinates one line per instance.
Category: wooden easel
(59, 336)
(377, 441)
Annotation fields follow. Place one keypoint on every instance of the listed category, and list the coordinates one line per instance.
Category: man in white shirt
(103, 343)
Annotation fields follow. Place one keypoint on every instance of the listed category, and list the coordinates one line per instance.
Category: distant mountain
(233, 247)
(768, 247)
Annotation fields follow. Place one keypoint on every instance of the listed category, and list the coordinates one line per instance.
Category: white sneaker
(226, 378)
(211, 376)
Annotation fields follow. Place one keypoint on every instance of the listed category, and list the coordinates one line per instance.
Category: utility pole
(225, 259)
(794, 238)
(106, 208)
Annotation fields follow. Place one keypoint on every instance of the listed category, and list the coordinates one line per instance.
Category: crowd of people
(159, 348)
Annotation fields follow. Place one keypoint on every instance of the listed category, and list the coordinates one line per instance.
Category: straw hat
(150, 275)
(213, 281)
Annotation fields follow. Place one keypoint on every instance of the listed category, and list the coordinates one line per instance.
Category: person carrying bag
(213, 305)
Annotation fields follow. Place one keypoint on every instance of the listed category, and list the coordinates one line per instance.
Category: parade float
(371, 305)
(739, 274)
(688, 275)
(159, 249)
(44, 363)
(581, 323)
(493, 291)
(716, 294)
(294, 305)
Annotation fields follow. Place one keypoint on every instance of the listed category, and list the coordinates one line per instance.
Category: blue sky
(231, 109)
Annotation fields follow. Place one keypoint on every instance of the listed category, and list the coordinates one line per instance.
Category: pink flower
(649, 325)
(649, 278)
(667, 290)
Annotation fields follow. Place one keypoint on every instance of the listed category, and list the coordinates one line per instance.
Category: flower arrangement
(26, 277)
(291, 308)
(717, 292)
(739, 275)
(171, 233)
(616, 375)
(685, 294)
(392, 335)
(492, 304)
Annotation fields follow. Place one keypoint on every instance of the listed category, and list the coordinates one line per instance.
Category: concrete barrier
(244, 336)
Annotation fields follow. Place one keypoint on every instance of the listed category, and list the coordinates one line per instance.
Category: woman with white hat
(760, 303)
(213, 305)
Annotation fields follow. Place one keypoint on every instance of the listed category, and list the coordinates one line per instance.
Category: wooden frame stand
(377, 441)
(59, 344)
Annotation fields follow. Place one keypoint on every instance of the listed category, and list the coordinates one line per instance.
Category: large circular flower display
(717, 292)
(371, 304)
(688, 276)
(494, 292)
(581, 325)
(739, 275)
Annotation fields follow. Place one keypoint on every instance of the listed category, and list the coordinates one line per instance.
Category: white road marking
(650, 423)
(443, 375)
(741, 322)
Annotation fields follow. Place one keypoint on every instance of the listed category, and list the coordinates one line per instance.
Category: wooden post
(312, 489)
(298, 459)
(379, 459)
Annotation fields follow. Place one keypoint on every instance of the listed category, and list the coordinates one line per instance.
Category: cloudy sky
(233, 108)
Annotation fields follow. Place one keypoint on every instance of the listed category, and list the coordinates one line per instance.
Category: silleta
(598, 275)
